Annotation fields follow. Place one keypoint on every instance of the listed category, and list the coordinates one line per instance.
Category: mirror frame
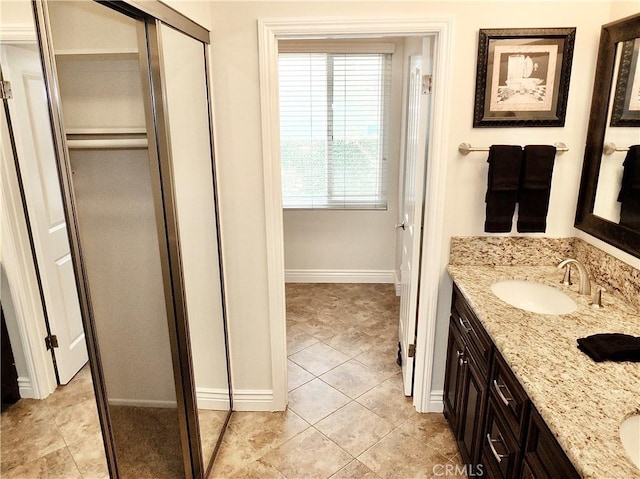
(616, 235)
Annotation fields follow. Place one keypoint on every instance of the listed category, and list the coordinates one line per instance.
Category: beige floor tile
(351, 342)
(235, 454)
(297, 376)
(298, 339)
(321, 326)
(259, 469)
(77, 422)
(308, 455)
(266, 430)
(353, 378)
(316, 400)
(30, 434)
(400, 455)
(388, 401)
(382, 357)
(58, 464)
(354, 428)
(319, 358)
(211, 423)
(355, 470)
(432, 429)
(78, 390)
(89, 456)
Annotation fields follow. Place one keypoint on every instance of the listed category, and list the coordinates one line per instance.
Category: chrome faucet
(585, 284)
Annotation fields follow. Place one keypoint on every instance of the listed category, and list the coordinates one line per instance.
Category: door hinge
(5, 90)
(412, 351)
(51, 341)
(427, 84)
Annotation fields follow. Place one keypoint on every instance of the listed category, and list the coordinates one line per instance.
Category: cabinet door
(544, 456)
(453, 377)
(472, 408)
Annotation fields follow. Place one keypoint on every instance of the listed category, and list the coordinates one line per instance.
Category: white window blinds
(333, 129)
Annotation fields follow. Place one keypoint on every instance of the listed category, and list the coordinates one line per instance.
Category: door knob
(401, 225)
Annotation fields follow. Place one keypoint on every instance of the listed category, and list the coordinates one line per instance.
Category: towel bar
(466, 148)
(610, 148)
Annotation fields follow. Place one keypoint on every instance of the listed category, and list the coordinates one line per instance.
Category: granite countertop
(582, 402)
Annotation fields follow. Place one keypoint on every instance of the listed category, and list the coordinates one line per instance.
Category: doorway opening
(421, 277)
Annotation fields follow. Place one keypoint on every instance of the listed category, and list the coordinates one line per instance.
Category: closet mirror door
(101, 62)
(183, 70)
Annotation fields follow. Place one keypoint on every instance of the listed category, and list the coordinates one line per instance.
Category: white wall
(237, 110)
(325, 245)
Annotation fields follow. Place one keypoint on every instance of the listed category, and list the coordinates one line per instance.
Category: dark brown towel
(629, 196)
(611, 347)
(502, 187)
(535, 187)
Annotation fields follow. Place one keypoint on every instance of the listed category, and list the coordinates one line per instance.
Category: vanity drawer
(472, 331)
(510, 398)
(500, 451)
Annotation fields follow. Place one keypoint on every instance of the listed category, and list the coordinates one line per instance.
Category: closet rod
(123, 143)
(610, 148)
(466, 148)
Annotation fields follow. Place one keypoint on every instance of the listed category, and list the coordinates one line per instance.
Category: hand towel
(611, 347)
(629, 196)
(502, 187)
(535, 188)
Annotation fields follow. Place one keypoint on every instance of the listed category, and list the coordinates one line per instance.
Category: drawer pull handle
(499, 457)
(499, 387)
(465, 324)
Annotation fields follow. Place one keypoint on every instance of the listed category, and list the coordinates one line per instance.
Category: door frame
(29, 308)
(425, 399)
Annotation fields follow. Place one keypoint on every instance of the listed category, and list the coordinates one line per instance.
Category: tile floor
(347, 415)
(57, 437)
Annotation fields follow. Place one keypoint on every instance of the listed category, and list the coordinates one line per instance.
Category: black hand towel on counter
(502, 187)
(611, 347)
(629, 196)
(535, 187)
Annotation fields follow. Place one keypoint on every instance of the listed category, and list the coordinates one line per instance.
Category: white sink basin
(630, 436)
(534, 297)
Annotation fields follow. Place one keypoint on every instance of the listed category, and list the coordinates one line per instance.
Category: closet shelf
(93, 54)
(107, 143)
(107, 131)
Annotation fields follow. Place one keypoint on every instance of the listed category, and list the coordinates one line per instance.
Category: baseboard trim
(214, 399)
(142, 403)
(253, 400)
(436, 401)
(339, 276)
(25, 388)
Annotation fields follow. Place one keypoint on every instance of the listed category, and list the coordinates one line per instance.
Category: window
(333, 129)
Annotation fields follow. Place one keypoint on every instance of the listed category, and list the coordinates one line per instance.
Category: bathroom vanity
(520, 397)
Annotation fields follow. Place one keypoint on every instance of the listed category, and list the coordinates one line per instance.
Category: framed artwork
(626, 99)
(523, 76)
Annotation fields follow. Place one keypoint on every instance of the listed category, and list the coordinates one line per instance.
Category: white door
(32, 132)
(412, 207)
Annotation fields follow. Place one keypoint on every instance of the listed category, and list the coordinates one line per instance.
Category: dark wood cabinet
(544, 457)
(496, 427)
(465, 392)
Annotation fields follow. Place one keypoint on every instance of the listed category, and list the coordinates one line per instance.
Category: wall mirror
(614, 127)
(129, 97)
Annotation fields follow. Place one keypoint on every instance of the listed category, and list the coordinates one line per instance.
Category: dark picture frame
(626, 99)
(522, 77)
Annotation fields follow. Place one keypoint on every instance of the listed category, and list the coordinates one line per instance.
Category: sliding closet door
(183, 71)
(103, 80)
